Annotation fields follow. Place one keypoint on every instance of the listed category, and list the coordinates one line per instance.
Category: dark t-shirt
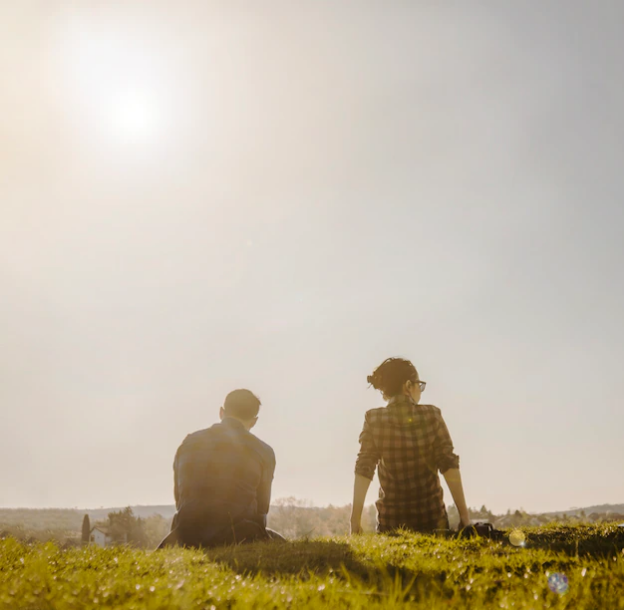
(222, 475)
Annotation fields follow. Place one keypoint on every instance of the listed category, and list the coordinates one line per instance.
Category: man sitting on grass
(222, 480)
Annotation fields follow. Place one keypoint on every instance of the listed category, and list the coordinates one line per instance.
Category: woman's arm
(364, 471)
(360, 488)
(454, 482)
(447, 461)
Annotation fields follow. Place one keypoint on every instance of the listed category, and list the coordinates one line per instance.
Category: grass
(369, 571)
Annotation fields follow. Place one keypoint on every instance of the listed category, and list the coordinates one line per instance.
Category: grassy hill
(560, 567)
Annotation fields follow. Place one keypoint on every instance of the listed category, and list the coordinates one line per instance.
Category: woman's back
(409, 443)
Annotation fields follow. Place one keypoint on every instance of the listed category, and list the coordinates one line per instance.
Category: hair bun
(391, 375)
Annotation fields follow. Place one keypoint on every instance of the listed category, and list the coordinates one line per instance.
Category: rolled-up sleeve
(369, 456)
(443, 449)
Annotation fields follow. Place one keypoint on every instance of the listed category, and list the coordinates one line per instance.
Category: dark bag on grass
(481, 528)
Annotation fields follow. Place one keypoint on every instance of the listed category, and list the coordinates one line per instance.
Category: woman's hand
(465, 522)
(360, 488)
(356, 527)
(454, 482)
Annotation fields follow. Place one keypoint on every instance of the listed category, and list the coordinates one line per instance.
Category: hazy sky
(198, 196)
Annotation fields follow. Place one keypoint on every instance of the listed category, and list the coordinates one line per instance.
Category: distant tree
(86, 530)
(294, 518)
(137, 536)
(484, 513)
(369, 518)
(453, 515)
(125, 528)
(156, 528)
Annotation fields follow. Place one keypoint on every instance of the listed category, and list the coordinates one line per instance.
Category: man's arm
(176, 487)
(264, 489)
(178, 470)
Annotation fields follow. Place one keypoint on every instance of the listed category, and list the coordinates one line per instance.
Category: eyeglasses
(422, 385)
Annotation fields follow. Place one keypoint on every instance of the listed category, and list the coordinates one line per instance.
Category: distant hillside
(588, 510)
(42, 518)
(71, 518)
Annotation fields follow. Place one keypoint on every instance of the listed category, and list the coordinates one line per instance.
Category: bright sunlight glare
(117, 82)
(134, 116)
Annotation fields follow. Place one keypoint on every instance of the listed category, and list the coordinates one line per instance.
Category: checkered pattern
(409, 444)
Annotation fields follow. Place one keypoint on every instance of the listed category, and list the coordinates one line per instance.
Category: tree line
(292, 517)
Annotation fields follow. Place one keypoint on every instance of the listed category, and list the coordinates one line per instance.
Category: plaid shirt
(408, 443)
(222, 475)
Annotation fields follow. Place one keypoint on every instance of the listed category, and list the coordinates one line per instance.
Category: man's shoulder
(197, 434)
(214, 432)
(189, 446)
(264, 448)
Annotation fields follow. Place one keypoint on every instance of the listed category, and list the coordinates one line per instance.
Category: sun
(116, 82)
(134, 116)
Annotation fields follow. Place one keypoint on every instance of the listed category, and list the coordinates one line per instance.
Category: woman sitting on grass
(409, 443)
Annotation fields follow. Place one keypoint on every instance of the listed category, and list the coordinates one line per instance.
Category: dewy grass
(560, 567)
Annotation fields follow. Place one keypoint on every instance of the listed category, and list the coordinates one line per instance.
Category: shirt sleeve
(264, 489)
(444, 456)
(176, 477)
(369, 455)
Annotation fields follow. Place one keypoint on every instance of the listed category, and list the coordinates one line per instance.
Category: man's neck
(235, 419)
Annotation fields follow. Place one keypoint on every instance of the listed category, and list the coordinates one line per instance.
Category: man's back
(222, 476)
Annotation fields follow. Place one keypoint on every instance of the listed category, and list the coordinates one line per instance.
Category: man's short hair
(241, 404)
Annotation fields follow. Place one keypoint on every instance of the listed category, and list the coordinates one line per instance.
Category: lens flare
(517, 538)
(558, 583)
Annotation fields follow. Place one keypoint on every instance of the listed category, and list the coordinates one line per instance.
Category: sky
(201, 196)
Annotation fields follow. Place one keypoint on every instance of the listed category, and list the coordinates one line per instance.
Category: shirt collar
(232, 422)
(401, 399)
